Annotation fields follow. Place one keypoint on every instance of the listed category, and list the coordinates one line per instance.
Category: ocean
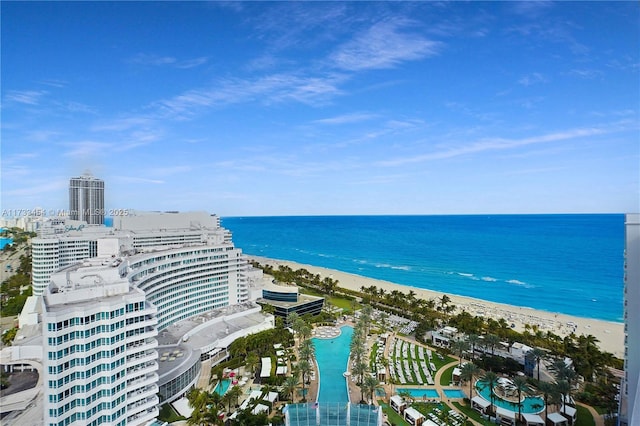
(571, 264)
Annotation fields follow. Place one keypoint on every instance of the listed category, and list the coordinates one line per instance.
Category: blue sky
(250, 109)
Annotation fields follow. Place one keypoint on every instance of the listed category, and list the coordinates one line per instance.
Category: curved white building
(175, 278)
(100, 362)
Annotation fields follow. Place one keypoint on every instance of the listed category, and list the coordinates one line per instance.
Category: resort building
(629, 411)
(287, 299)
(99, 340)
(86, 199)
(62, 242)
(139, 313)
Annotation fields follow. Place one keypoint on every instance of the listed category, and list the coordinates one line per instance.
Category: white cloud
(531, 79)
(495, 144)
(383, 46)
(28, 97)
(85, 149)
(157, 60)
(346, 118)
(192, 63)
(269, 89)
(153, 60)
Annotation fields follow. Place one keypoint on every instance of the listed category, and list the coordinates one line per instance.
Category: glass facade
(180, 383)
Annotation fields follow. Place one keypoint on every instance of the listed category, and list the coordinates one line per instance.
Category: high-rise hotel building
(127, 314)
(629, 391)
(86, 199)
(100, 362)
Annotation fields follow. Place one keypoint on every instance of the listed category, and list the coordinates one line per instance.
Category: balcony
(148, 379)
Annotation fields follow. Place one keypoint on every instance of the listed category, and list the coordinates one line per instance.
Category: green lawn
(168, 414)
(584, 417)
(473, 414)
(394, 418)
(447, 376)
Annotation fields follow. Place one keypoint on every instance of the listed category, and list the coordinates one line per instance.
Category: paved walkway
(596, 417)
(440, 388)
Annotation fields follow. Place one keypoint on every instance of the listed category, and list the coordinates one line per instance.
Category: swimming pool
(530, 404)
(222, 386)
(420, 393)
(332, 356)
(454, 393)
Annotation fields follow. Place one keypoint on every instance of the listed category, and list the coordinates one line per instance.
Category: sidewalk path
(596, 417)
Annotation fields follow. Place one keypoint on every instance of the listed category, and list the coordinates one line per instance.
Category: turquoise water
(531, 404)
(420, 393)
(4, 242)
(222, 386)
(509, 259)
(332, 356)
(454, 393)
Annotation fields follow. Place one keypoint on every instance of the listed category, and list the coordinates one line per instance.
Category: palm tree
(251, 362)
(538, 354)
(521, 386)
(490, 379)
(359, 369)
(468, 372)
(307, 350)
(235, 392)
(458, 347)
(227, 398)
(549, 393)
(491, 341)
(370, 385)
(473, 340)
(289, 386)
(564, 388)
(305, 369)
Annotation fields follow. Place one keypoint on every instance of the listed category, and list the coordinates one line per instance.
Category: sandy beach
(609, 334)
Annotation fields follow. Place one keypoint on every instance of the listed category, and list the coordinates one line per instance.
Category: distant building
(286, 299)
(62, 242)
(629, 412)
(86, 199)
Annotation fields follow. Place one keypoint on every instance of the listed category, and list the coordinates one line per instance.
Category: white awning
(265, 371)
(260, 409)
(413, 414)
(281, 370)
(557, 418)
(481, 402)
(505, 413)
(533, 419)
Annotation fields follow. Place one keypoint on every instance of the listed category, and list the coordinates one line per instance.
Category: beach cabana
(480, 404)
(569, 413)
(556, 419)
(260, 408)
(281, 370)
(533, 419)
(507, 417)
(271, 397)
(413, 416)
(266, 367)
(455, 376)
(397, 403)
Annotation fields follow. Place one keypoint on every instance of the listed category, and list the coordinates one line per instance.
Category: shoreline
(609, 334)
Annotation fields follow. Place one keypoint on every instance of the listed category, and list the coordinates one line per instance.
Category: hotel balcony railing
(145, 392)
(144, 380)
(143, 405)
(141, 357)
(142, 418)
(142, 369)
(143, 344)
